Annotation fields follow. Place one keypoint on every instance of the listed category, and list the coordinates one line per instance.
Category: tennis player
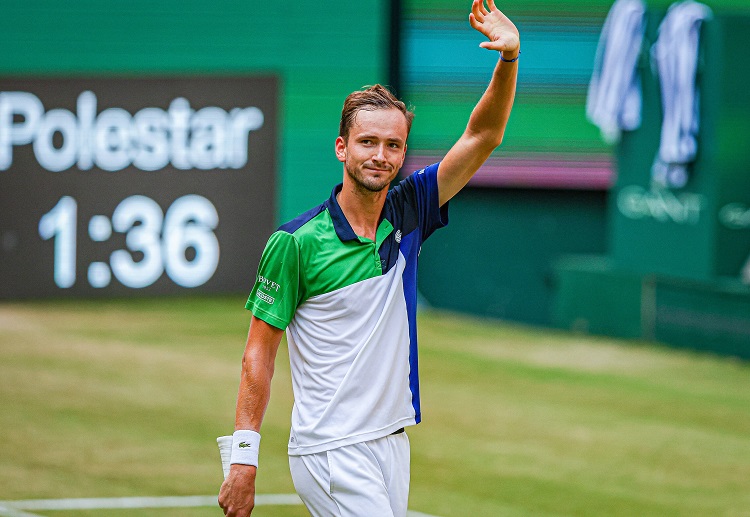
(341, 280)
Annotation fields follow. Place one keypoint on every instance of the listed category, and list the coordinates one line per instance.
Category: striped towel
(614, 96)
(676, 56)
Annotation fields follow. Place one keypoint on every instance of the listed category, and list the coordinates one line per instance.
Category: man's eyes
(392, 145)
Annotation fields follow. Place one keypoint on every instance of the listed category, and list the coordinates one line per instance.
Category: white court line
(13, 508)
(9, 511)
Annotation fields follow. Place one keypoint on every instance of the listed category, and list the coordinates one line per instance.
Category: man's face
(375, 148)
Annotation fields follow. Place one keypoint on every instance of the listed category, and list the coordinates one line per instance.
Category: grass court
(125, 399)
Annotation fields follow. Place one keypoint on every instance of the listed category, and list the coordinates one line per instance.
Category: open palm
(490, 21)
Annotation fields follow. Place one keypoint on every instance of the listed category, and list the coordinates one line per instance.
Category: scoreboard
(124, 185)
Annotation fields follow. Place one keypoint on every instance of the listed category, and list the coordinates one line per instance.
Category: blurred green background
(544, 193)
(125, 398)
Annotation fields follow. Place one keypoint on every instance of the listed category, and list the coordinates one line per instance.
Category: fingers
(501, 32)
(492, 45)
(473, 21)
(478, 10)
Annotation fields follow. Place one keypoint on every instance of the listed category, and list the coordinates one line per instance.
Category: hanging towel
(614, 95)
(676, 56)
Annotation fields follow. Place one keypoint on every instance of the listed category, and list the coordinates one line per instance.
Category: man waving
(341, 280)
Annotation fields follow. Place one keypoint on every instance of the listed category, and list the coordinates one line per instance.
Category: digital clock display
(127, 186)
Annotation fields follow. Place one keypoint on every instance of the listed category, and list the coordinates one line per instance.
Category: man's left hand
(501, 32)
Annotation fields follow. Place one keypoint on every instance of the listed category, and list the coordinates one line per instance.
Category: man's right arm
(237, 495)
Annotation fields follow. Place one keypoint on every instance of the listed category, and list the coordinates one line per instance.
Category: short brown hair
(371, 98)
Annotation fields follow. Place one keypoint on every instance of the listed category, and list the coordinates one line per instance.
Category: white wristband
(245, 446)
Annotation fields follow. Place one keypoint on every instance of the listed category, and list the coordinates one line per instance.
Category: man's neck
(362, 209)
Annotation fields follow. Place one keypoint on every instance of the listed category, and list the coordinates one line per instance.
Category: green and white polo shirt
(348, 305)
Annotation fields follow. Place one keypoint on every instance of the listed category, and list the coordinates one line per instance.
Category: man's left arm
(486, 126)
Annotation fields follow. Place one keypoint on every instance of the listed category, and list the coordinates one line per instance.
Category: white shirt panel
(349, 353)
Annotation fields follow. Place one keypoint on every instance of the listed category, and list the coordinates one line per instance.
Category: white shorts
(367, 479)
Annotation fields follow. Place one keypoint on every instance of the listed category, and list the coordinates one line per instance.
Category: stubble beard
(364, 183)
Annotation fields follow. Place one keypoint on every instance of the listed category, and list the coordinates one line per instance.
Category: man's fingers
(491, 45)
(491, 5)
(476, 11)
(482, 8)
(473, 21)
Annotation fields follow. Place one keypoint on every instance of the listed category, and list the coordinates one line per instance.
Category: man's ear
(341, 149)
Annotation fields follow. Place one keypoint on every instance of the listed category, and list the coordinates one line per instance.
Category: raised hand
(501, 32)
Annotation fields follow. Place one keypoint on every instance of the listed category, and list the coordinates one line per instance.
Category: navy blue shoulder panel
(299, 221)
(411, 206)
(415, 203)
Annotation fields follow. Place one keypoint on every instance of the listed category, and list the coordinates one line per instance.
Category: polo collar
(340, 223)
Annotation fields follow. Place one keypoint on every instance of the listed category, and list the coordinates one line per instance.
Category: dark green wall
(320, 51)
(495, 256)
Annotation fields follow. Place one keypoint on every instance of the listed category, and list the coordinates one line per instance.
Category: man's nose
(379, 154)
